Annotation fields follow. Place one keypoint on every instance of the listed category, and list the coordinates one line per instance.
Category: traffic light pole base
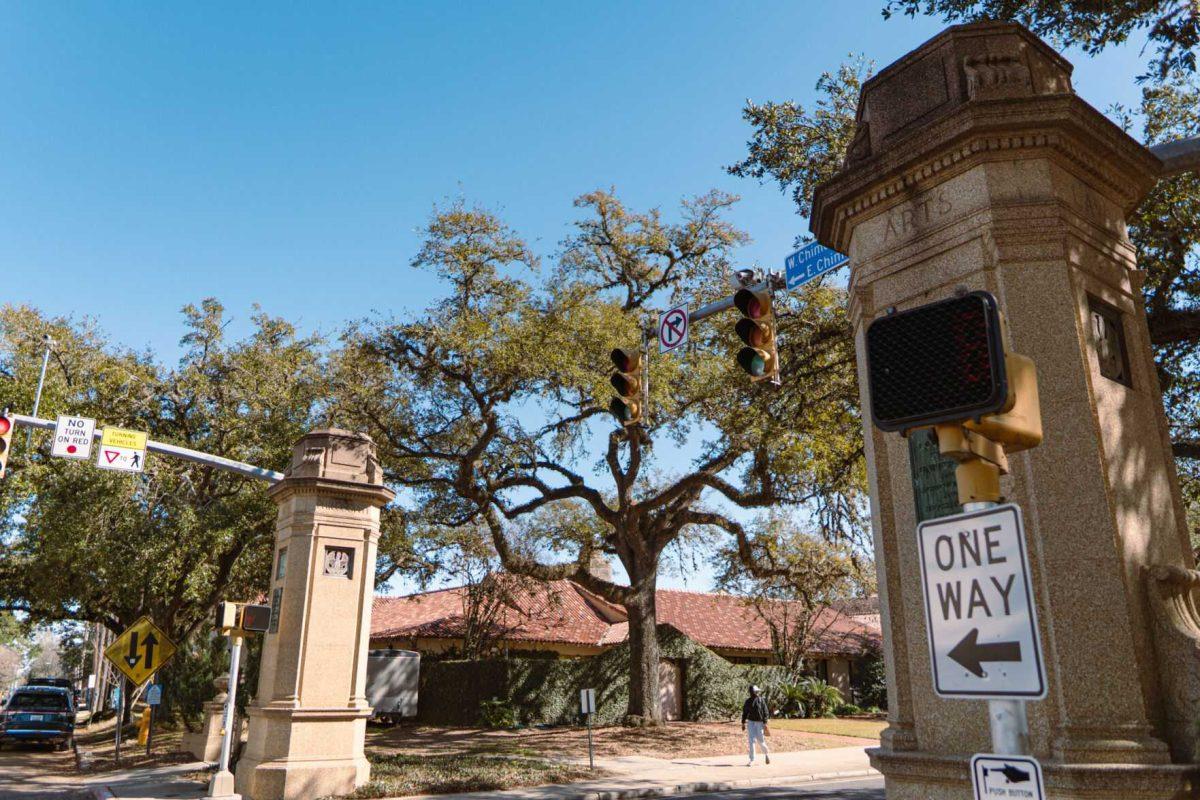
(221, 786)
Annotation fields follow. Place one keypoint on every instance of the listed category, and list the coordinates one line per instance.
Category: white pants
(754, 732)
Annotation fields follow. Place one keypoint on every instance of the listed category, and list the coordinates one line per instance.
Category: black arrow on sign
(970, 653)
(1011, 774)
(151, 642)
(133, 657)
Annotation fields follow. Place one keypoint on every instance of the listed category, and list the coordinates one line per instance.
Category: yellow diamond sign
(140, 651)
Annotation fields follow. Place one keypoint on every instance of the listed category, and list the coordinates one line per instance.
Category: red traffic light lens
(5, 425)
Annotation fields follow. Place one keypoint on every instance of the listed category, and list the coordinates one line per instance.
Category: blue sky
(156, 154)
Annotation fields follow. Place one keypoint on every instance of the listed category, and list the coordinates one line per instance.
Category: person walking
(755, 719)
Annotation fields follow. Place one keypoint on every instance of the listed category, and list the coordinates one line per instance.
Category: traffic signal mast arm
(195, 456)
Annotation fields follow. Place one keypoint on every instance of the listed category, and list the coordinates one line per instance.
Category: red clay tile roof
(564, 612)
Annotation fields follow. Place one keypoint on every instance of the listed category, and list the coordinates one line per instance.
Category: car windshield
(37, 701)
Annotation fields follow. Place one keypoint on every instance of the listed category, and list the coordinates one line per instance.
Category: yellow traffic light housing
(627, 382)
(6, 434)
(760, 355)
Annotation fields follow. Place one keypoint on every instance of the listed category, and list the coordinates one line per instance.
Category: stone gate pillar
(308, 718)
(975, 166)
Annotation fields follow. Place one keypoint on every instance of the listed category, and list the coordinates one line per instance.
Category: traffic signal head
(941, 362)
(255, 619)
(6, 434)
(226, 616)
(756, 329)
(627, 382)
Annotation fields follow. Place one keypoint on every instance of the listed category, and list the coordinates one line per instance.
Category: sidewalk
(638, 776)
(157, 783)
(633, 776)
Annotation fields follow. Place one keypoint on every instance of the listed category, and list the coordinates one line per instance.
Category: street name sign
(672, 329)
(122, 450)
(979, 611)
(73, 437)
(811, 261)
(140, 651)
(1007, 777)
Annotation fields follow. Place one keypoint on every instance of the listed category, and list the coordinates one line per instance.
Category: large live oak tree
(489, 407)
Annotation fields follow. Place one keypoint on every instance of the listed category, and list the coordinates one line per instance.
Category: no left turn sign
(672, 329)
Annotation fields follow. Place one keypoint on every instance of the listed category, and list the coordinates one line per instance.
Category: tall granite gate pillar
(308, 718)
(975, 166)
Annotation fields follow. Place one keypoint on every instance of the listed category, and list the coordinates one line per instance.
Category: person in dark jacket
(755, 716)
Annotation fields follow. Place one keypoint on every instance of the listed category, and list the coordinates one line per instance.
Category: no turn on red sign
(73, 437)
(672, 329)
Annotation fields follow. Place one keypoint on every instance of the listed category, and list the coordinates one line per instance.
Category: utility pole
(37, 398)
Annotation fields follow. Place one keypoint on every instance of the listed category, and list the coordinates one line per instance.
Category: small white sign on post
(587, 700)
(122, 450)
(73, 437)
(1003, 777)
(672, 329)
(982, 624)
(154, 694)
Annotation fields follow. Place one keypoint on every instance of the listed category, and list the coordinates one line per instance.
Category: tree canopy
(490, 407)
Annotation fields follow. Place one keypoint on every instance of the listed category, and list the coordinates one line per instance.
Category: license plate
(37, 717)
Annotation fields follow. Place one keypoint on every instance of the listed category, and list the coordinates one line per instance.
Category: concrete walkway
(632, 776)
(639, 776)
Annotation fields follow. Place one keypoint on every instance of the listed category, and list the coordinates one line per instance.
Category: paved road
(851, 789)
(35, 771)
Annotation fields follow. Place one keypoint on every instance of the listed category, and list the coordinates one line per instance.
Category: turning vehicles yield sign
(672, 329)
(140, 651)
(122, 450)
(983, 636)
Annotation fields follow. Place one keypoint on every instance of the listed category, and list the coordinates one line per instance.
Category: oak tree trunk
(644, 699)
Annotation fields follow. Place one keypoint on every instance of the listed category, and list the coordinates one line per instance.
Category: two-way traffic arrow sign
(140, 651)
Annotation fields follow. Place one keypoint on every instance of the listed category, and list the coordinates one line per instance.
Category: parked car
(39, 714)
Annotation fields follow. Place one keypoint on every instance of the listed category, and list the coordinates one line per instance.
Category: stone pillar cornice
(376, 496)
(1063, 126)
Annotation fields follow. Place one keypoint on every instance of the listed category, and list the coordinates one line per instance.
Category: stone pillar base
(205, 744)
(303, 753)
(923, 776)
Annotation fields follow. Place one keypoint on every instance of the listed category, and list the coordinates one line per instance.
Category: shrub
(872, 691)
(497, 713)
(847, 710)
(819, 698)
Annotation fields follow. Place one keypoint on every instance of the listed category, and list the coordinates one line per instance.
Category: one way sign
(982, 623)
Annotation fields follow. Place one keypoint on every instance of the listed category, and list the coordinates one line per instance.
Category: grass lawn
(98, 742)
(860, 728)
(395, 774)
(673, 740)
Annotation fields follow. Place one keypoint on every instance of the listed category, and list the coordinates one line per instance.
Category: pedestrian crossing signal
(627, 382)
(6, 434)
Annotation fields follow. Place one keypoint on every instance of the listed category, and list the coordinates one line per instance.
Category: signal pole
(37, 398)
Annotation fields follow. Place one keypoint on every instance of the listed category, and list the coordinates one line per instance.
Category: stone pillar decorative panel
(975, 166)
(308, 718)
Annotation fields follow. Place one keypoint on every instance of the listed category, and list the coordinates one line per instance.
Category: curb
(698, 787)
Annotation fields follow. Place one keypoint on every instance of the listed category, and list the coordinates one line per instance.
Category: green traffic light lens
(753, 361)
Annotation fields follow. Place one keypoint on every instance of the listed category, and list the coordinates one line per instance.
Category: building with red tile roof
(563, 620)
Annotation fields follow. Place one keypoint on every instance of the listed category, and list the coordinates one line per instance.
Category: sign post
(221, 784)
(153, 698)
(983, 636)
(587, 702)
